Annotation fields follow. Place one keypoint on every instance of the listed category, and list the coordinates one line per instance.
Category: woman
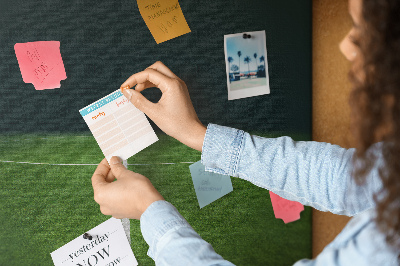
(316, 174)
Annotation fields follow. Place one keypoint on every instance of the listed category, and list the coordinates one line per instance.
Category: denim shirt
(312, 173)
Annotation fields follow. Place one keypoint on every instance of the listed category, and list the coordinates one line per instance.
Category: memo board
(103, 42)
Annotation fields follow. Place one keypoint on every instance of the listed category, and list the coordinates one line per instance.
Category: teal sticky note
(209, 186)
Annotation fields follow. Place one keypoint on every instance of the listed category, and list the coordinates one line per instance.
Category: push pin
(246, 36)
(127, 87)
(87, 236)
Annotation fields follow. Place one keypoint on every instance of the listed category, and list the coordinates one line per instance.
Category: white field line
(72, 164)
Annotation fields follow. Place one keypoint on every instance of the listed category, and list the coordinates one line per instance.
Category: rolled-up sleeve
(312, 173)
(172, 241)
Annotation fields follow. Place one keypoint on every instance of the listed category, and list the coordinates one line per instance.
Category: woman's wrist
(196, 136)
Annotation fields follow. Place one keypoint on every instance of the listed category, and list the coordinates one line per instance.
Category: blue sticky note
(209, 186)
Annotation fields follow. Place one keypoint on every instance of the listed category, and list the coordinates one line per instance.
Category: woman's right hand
(173, 113)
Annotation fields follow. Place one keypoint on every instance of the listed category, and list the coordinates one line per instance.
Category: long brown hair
(375, 103)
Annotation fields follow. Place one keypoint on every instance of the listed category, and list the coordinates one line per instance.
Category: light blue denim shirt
(312, 173)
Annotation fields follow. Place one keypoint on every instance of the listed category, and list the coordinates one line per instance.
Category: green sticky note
(209, 186)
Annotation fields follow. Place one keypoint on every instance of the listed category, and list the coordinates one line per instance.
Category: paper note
(118, 126)
(209, 186)
(41, 63)
(108, 246)
(164, 18)
(288, 211)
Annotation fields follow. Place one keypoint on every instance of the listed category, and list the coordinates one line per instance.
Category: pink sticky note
(41, 64)
(284, 209)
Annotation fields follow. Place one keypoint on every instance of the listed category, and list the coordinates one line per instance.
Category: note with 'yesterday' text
(108, 246)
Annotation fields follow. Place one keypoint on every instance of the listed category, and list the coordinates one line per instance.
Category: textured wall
(331, 88)
(103, 42)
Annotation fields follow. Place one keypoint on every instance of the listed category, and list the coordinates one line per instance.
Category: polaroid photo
(246, 64)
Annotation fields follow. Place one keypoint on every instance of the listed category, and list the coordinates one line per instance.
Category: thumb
(117, 168)
(138, 100)
(99, 176)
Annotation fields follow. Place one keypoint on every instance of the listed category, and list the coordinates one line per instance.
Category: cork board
(331, 88)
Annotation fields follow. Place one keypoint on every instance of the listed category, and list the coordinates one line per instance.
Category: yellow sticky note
(164, 18)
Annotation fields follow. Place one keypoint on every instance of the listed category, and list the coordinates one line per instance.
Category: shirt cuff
(222, 148)
(158, 219)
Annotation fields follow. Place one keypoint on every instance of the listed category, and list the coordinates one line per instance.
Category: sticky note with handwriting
(287, 210)
(164, 18)
(209, 186)
(118, 126)
(108, 246)
(41, 64)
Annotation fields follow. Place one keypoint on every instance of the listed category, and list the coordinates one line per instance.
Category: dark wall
(103, 42)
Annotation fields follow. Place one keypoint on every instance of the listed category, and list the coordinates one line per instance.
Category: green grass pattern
(45, 206)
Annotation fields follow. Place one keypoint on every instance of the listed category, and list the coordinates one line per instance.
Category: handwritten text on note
(164, 18)
(209, 186)
(41, 63)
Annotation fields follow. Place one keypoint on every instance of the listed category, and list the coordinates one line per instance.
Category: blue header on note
(100, 103)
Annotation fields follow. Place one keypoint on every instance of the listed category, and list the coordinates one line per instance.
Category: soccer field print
(118, 126)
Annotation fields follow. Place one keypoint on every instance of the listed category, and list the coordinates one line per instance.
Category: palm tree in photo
(239, 54)
(230, 59)
(262, 59)
(255, 59)
(247, 60)
(234, 68)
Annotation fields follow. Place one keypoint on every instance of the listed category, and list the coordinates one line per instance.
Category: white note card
(108, 247)
(118, 126)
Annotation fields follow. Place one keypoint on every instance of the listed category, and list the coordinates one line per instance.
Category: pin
(127, 87)
(246, 36)
(87, 236)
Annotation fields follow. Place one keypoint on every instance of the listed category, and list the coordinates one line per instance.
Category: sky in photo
(256, 44)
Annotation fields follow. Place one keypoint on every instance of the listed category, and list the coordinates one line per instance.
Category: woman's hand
(128, 196)
(174, 112)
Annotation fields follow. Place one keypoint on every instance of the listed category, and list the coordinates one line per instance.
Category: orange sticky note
(288, 211)
(41, 63)
(164, 18)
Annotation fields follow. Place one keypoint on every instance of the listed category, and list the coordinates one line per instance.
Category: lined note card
(164, 18)
(41, 64)
(118, 126)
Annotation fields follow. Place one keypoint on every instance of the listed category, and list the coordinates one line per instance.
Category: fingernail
(128, 94)
(127, 87)
(115, 160)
